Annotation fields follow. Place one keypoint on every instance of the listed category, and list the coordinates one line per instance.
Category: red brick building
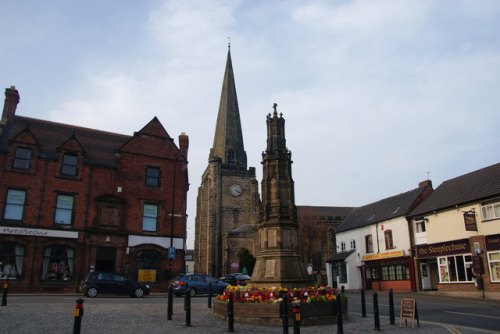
(74, 199)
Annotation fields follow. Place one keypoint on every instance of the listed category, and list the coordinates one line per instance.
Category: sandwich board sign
(408, 312)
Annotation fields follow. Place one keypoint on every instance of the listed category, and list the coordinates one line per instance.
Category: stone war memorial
(279, 272)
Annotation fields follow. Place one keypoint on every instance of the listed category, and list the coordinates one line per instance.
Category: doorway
(105, 259)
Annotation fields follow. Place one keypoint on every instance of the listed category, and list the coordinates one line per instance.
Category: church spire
(228, 140)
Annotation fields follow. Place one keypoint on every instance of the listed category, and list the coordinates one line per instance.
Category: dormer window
(152, 177)
(69, 165)
(22, 158)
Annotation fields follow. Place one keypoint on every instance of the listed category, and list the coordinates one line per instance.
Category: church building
(228, 204)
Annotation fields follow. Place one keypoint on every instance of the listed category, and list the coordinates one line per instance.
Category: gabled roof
(100, 146)
(472, 187)
(385, 209)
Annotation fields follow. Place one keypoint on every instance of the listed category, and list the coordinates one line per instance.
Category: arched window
(11, 260)
(58, 263)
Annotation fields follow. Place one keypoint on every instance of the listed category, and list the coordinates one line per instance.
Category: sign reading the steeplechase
(408, 311)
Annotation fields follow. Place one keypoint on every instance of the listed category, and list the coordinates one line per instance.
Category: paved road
(54, 314)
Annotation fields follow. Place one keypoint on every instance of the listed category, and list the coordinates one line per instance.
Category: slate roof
(333, 213)
(472, 187)
(99, 146)
(385, 209)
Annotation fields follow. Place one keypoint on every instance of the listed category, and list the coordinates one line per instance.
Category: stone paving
(133, 316)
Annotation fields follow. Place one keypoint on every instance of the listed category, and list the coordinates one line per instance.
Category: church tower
(228, 202)
(278, 262)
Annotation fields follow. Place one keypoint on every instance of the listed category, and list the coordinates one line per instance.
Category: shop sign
(37, 232)
(146, 275)
(409, 311)
(492, 242)
(470, 221)
(371, 257)
(443, 248)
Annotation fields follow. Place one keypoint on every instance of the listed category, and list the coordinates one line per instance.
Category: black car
(97, 282)
(236, 279)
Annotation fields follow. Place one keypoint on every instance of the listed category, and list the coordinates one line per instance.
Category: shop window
(148, 265)
(58, 263)
(152, 177)
(64, 210)
(388, 240)
(14, 205)
(369, 243)
(22, 158)
(491, 211)
(149, 217)
(494, 265)
(11, 260)
(395, 272)
(456, 268)
(69, 165)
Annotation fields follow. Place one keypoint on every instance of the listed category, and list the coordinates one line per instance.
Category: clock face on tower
(235, 190)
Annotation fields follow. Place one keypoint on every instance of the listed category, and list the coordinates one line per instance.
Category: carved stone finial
(275, 105)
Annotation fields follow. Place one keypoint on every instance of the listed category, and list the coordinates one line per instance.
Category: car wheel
(192, 292)
(138, 293)
(91, 292)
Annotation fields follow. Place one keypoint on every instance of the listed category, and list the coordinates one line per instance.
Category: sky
(378, 95)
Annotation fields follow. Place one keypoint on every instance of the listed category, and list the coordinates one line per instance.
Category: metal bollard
(340, 321)
(210, 295)
(375, 312)
(230, 313)
(5, 289)
(170, 303)
(187, 306)
(78, 314)
(296, 318)
(391, 306)
(363, 303)
(284, 314)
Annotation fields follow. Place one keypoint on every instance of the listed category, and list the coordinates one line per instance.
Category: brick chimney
(184, 144)
(424, 184)
(10, 104)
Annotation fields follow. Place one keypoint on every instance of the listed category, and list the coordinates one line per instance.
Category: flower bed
(262, 306)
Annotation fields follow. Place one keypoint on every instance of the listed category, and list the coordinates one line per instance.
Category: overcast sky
(377, 95)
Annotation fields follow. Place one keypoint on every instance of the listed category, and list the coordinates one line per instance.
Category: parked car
(97, 283)
(198, 284)
(236, 279)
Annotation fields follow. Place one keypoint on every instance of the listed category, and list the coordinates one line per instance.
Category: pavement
(132, 316)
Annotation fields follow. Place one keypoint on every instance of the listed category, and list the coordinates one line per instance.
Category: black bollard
(5, 289)
(210, 295)
(375, 312)
(78, 314)
(340, 321)
(230, 313)
(284, 314)
(296, 318)
(170, 303)
(363, 303)
(187, 306)
(391, 307)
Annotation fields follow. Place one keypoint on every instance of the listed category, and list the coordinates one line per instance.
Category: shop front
(446, 266)
(388, 270)
(34, 259)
